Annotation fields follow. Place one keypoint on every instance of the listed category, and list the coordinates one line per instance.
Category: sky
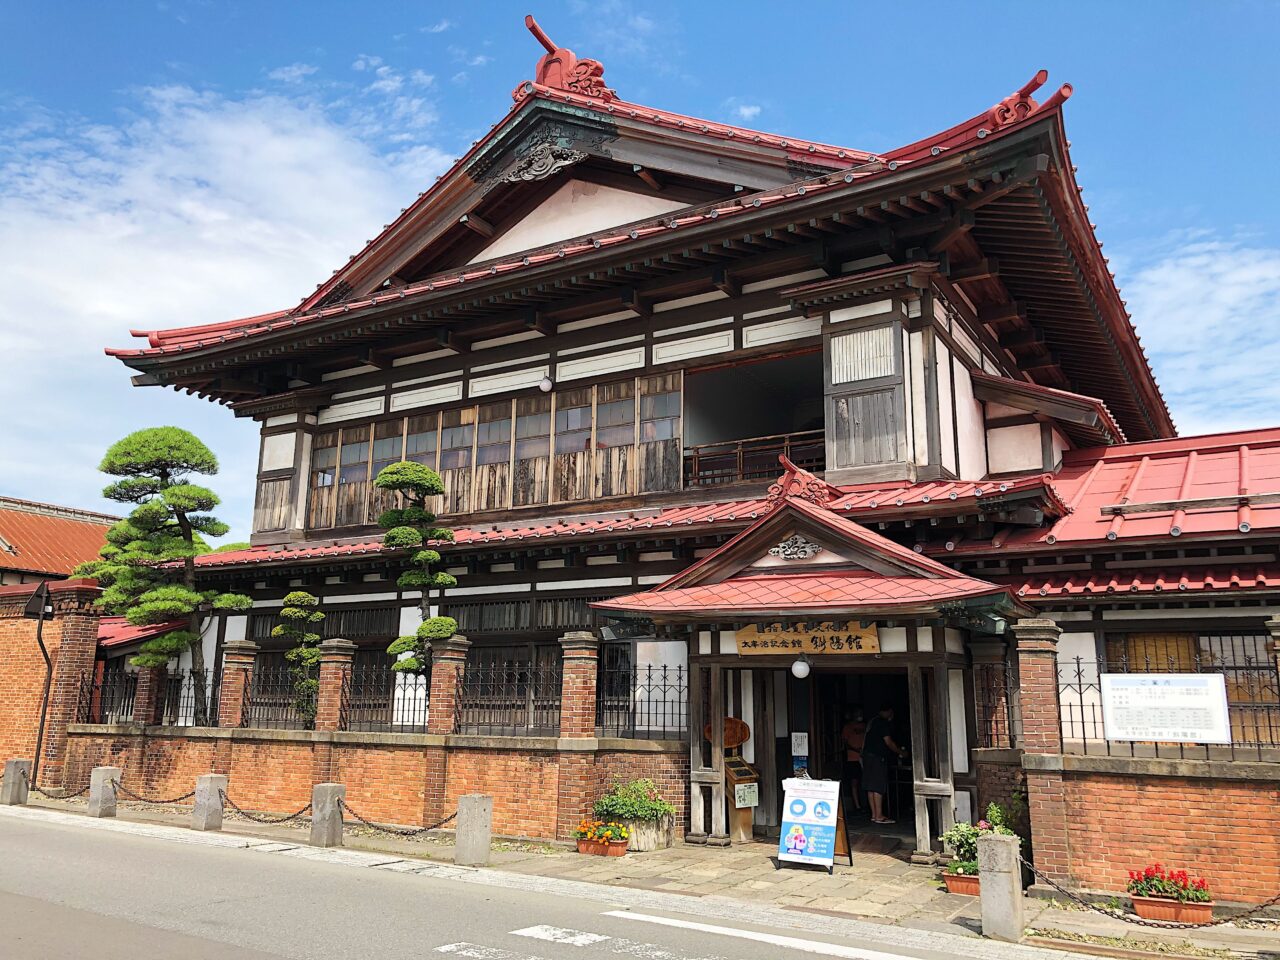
(190, 161)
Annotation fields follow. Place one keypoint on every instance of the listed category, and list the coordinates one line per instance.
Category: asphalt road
(67, 891)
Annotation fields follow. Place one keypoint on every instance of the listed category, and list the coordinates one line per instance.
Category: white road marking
(577, 938)
(790, 943)
(474, 951)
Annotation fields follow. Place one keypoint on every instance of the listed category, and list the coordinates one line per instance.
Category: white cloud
(197, 208)
(366, 62)
(293, 73)
(439, 27)
(747, 111)
(1208, 310)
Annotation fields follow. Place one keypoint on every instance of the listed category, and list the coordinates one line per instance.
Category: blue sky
(182, 162)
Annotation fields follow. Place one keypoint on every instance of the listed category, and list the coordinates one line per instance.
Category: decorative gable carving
(562, 69)
(801, 484)
(544, 160)
(795, 547)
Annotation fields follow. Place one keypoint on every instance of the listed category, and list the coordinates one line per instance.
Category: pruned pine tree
(147, 566)
(299, 621)
(413, 527)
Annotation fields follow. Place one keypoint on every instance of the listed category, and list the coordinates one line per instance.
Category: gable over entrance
(802, 560)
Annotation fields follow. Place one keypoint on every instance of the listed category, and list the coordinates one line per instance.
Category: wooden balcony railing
(756, 458)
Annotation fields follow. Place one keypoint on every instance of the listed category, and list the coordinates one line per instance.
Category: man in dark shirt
(878, 749)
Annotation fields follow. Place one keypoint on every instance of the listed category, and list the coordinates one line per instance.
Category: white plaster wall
(1014, 448)
(946, 429)
(919, 413)
(1060, 445)
(576, 209)
(277, 451)
(970, 425)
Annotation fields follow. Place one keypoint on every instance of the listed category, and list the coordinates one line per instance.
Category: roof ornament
(800, 483)
(561, 69)
(1019, 105)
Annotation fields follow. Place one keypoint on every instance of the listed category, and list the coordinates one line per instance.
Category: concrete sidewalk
(881, 886)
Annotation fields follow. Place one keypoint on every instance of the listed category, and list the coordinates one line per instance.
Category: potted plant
(637, 805)
(1160, 894)
(601, 839)
(961, 873)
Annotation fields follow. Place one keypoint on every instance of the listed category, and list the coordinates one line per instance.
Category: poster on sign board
(809, 814)
(1171, 707)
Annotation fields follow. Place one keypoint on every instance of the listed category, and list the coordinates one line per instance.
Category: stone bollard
(102, 794)
(207, 813)
(17, 777)
(474, 831)
(1001, 892)
(326, 814)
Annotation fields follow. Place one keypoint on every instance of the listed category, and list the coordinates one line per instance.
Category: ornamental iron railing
(190, 699)
(996, 705)
(647, 702)
(509, 698)
(281, 697)
(379, 699)
(107, 697)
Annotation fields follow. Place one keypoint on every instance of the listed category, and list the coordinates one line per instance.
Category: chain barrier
(256, 818)
(45, 793)
(396, 831)
(119, 788)
(1143, 921)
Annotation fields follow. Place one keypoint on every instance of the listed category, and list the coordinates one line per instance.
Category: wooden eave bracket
(473, 221)
(650, 178)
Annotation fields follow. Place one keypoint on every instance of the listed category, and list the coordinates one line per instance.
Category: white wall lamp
(800, 667)
(545, 384)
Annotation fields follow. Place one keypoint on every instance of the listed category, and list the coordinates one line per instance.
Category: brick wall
(22, 674)
(1005, 783)
(1226, 830)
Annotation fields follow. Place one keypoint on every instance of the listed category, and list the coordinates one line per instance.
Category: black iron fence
(380, 699)
(1253, 706)
(281, 697)
(107, 698)
(190, 699)
(642, 702)
(509, 698)
(996, 705)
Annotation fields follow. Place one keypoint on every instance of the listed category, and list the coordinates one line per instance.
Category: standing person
(853, 735)
(877, 750)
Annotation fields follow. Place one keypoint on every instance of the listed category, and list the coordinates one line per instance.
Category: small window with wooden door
(531, 468)
(457, 447)
(865, 403)
(615, 441)
(353, 476)
(324, 478)
(493, 456)
(388, 448)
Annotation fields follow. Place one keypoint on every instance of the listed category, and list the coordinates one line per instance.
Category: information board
(746, 795)
(1179, 707)
(813, 637)
(809, 813)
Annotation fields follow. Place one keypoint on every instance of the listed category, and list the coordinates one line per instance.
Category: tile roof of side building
(42, 538)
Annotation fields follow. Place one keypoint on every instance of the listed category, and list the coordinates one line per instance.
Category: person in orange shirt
(853, 735)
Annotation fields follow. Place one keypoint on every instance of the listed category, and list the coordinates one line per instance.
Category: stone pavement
(881, 886)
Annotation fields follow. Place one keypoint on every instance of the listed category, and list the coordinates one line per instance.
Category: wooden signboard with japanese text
(817, 637)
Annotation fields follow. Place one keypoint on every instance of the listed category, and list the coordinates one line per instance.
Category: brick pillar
(148, 697)
(237, 679)
(1042, 744)
(448, 660)
(74, 611)
(576, 782)
(336, 657)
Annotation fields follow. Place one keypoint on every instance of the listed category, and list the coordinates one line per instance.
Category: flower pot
(650, 834)
(1162, 908)
(596, 848)
(965, 883)
(615, 848)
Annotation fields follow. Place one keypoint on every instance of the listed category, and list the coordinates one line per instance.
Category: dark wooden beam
(375, 358)
(477, 223)
(725, 282)
(447, 339)
(633, 301)
(1002, 312)
(298, 371)
(648, 176)
(960, 224)
(985, 269)
(537, 320)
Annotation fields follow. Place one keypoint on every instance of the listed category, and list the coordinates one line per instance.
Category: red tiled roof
(1185, 487)
(803, 592)
(863, 500)
(1197, 579)
(118, 632)
(844, 161)
(42, 538)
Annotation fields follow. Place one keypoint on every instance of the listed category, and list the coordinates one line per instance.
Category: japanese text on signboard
(811, 637)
